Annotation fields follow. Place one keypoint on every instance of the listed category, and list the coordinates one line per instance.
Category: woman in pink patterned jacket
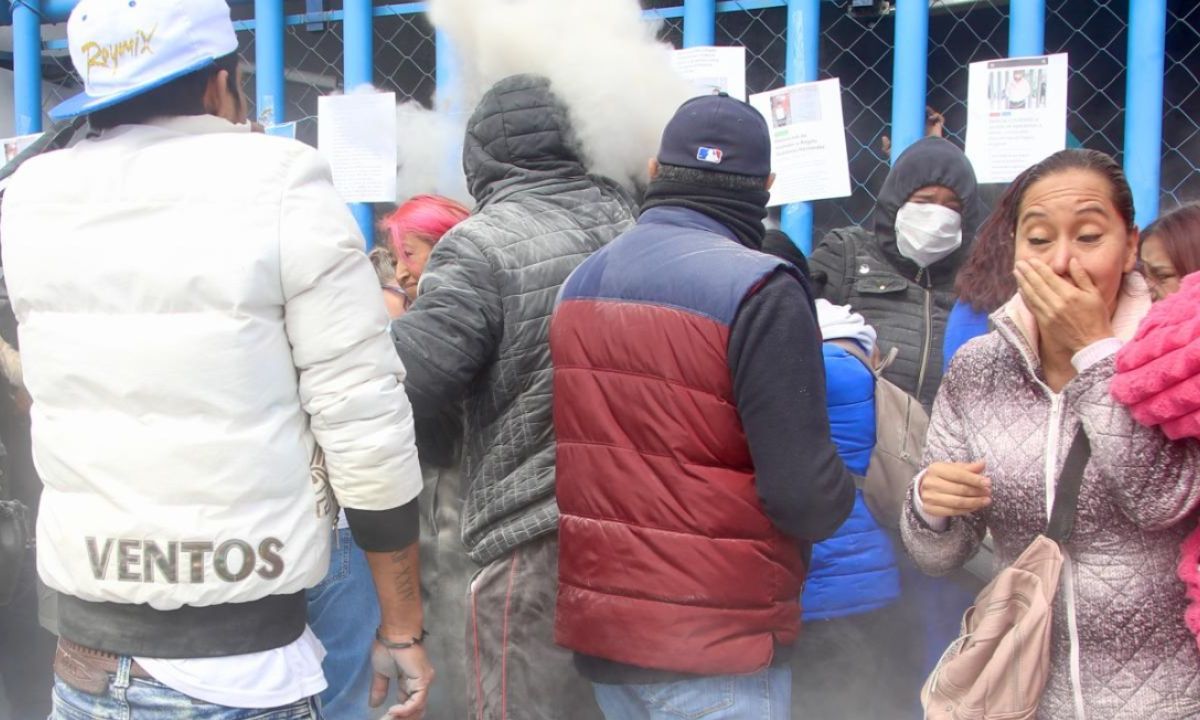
(999, 433)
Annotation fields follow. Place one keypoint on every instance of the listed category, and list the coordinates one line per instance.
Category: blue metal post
(803, 43)
(699, 22)
(908, 74)
(1026, 28)
(269, 85)
(1144, 104)
(27, 66)
(359, 39)
(449, 101)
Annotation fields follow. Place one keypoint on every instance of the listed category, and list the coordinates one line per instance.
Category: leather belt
(89, 670)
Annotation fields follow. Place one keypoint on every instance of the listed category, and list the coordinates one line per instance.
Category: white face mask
(926, 233)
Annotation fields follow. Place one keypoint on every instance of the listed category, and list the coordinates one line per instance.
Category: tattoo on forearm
(405, 581)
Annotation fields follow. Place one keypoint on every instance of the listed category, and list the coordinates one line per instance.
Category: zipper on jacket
(928, 331)
(1053, 439)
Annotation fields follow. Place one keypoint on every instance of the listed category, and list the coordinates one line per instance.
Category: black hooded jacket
(907, 306)
(479, 330)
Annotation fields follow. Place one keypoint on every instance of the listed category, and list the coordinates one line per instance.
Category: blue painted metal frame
(357, 54)
(269, 86)
(1026, 28)
(699, 22)
(803, 55)
(909, 74)
(1144, 105)
(27, 65)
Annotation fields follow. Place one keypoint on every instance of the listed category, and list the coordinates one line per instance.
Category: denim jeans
(765, 695)
(137, 699)
(343, 612)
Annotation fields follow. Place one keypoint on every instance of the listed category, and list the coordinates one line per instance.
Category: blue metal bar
(909, 74)
(358, 38)
(269, 85)
(1026, 28)
(27, 66)
(1144, 104)
(803, 45)
(699, 22)
(447, 100)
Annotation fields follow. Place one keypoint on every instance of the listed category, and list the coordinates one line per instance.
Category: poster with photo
(808, 141)
(713, 69)
(14, 145)
(1016, 114)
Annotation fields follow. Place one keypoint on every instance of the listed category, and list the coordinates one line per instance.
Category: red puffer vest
(666, 557)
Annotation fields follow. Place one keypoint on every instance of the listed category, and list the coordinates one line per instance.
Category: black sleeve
(385, 530)
(779, 386)
(827, 268)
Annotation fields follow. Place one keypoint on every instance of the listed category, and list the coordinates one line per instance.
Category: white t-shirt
(268, 679)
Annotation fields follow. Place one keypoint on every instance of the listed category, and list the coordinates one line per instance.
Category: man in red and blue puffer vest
(695, 465)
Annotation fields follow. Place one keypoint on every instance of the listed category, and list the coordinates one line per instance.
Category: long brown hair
(1179, 233)
(985, 281)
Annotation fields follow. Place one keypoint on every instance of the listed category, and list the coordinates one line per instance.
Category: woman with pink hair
(414, 228)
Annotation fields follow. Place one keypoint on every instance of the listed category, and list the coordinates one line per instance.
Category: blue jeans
(134, 698)
(765, 695)
(343, 612)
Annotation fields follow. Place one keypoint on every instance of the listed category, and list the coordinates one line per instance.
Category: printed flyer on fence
(808, 141)
(1016, 114)
(713, 69)
(357, 135)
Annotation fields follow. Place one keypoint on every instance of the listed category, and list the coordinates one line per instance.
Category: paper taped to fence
(1016, 114)
(357, 135)
(713, 69)
(808, 141)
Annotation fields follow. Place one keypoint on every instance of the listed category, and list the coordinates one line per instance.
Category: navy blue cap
(717, 133)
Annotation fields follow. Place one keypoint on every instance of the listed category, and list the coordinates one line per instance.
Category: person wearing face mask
(900, 277)
(210, 370)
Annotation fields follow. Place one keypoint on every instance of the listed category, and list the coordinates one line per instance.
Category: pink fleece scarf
(1158, 372)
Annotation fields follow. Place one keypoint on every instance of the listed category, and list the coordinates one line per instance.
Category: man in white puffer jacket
(198, 320)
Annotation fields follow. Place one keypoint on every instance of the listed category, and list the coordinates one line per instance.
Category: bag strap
(1066, 494)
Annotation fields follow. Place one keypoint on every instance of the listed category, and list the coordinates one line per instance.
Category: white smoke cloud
(429, 144)
(602, 58)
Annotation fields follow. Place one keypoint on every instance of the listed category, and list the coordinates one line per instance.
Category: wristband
(400, 645)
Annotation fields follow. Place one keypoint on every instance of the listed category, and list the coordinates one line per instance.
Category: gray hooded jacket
(479, 329)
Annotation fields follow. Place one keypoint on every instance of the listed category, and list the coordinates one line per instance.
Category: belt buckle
(75, 670)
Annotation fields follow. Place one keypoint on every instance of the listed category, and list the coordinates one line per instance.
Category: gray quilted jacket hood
(1119, 603)
(478, 332)
(906, 305)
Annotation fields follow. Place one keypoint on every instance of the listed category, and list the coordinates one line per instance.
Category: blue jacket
(854, 571)
(965, 323)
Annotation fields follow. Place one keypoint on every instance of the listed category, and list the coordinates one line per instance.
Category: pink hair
(428, 216)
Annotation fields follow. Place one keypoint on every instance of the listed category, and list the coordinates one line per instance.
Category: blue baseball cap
(717, 133)
(124, 48)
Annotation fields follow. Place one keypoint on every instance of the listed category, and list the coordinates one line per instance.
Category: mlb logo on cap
(711, 155)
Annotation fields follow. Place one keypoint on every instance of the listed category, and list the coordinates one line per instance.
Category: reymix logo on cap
(109, 56)
(711, 155)
(123, 48)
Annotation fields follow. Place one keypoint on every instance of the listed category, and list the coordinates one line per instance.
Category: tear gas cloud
(601, 56)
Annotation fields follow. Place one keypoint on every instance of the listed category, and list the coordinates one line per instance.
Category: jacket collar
(686, 218)
(1017, 325)
(197, 124)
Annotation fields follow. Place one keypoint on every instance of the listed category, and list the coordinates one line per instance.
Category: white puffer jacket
(196, 316)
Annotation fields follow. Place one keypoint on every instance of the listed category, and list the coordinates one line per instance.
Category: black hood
(519, 136)
(930, 161)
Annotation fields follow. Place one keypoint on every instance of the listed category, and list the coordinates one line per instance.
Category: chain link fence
(1181, 117)
(856, 48)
